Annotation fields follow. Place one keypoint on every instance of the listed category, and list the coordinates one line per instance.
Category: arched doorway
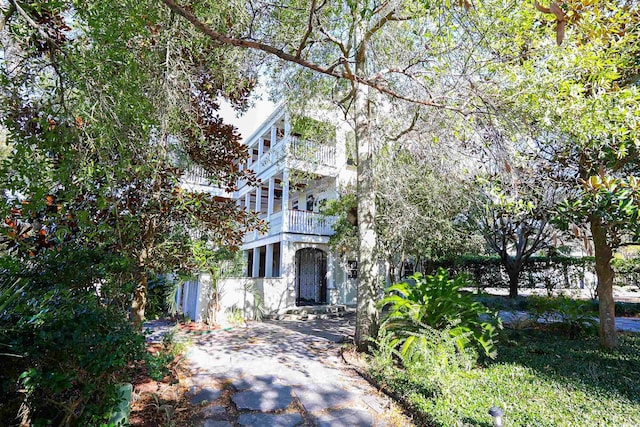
(311, 277)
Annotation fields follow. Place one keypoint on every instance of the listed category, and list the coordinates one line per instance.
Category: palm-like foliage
(436, 301)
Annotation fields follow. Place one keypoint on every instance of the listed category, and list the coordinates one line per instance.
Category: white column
(179, 298)
(288, 267)
(255, 268)
(268, 266)
(247, 201)
(285, 201)
(260, 151)
(287, 124)
(272, 182)
(274, 135)
(258, 199)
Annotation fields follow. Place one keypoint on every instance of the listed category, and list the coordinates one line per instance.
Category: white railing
(272, 156)
(196, 175)
(313, 152)
(299, 149)
(310, 223)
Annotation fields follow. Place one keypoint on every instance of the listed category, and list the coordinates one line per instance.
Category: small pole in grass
(497, 414)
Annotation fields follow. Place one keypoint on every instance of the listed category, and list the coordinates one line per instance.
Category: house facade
(291, 263)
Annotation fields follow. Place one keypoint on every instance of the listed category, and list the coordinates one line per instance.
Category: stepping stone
(216, 412)
(255, 383)
(316, 397)
(205, 395)
(345, 418)
(273, 420)
(272, 399)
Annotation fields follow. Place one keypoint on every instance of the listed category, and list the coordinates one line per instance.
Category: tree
(365, 54)
(578, 94)
(514, 223)
(420, 194)
(97, 132)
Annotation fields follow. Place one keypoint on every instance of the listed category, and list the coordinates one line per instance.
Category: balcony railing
(297, 149)
(301, 222)
(310, 223)
(301, 149)
(196, 175)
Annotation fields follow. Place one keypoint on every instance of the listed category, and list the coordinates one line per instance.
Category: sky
(249, 121)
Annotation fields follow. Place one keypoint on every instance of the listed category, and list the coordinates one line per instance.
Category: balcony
(196, 176)
(299, 153)
(300, 222)
(310, 223)
(196, 179)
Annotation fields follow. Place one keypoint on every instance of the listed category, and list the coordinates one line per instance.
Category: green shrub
(74, 347)
(436, 302)
(573, 317)
(160, 297)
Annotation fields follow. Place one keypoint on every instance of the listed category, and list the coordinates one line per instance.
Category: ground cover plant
(540, 378)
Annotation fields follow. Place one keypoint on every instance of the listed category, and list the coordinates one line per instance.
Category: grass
(539, 379)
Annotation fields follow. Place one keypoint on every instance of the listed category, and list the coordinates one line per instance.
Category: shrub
(573, 317)
(436, 302)
(74, 348)
(160, 297)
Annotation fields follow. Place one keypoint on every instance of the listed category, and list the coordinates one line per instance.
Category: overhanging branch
(296, 59)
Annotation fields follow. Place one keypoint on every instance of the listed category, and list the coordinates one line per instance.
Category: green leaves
(437, 302)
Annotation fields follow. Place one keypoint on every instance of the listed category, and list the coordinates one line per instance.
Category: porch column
(255, 268)
(268, 265)
(260, 151)
(331, 279)
(274, 135)
(179, 298)
(287, 124)
(258, 199)
(285, 201)
(247, 201)
(272, 182)
(287, 267)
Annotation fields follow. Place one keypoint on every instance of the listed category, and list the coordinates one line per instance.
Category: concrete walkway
(284, 373)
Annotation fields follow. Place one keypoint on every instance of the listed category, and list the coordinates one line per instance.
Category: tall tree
(365, 54)
(578, 92)
(97, 128)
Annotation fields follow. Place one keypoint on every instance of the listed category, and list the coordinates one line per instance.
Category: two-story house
(291, 264)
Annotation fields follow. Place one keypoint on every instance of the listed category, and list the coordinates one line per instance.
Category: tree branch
(303, 42)
(279, 53)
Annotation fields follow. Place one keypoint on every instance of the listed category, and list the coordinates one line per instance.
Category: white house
(291, 264)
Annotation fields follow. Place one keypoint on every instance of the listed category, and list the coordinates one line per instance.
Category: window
(310, 202)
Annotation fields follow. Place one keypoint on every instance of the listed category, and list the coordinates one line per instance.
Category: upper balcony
(295, 153)
(196, 179)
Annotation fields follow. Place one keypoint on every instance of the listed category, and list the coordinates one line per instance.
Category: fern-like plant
(436, 301)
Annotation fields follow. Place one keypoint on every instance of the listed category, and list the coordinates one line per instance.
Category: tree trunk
(513, 272)
(367, 313)
(604, 272)
(139, 301)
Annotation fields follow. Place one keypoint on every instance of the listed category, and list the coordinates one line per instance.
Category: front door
(311, 271)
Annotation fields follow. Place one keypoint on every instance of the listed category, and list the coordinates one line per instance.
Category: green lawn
(539, 379)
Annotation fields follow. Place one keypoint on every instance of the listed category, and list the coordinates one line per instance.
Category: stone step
(311, 312)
